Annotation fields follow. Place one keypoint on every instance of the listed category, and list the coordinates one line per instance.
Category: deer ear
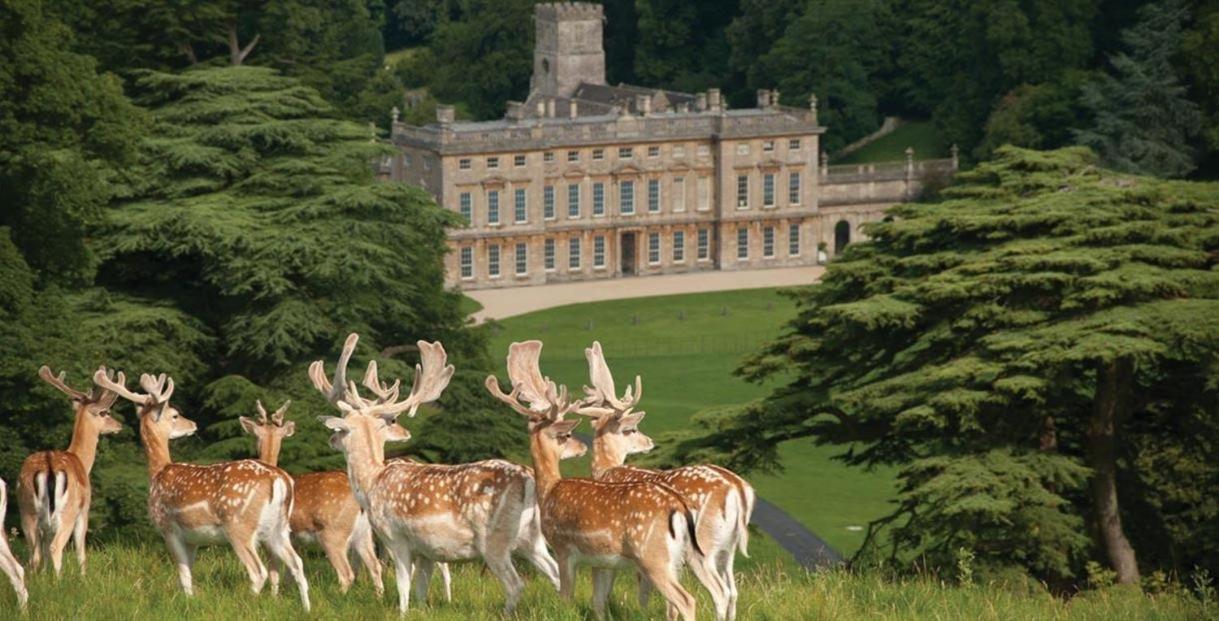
(564, 426)
(289, 428)
(631, 420)
(334, 423)
(247, 424)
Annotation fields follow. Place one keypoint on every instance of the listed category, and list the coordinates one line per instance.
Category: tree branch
(238, 54)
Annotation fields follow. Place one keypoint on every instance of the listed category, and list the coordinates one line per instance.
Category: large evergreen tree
(1143, 121)
(1050, 323)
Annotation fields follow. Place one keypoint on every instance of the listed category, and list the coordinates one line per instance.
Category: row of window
(768, 189)
(574, 260)
(624, 153)
(626, 198)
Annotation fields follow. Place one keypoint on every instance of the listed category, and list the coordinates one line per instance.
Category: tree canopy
(1050, 324)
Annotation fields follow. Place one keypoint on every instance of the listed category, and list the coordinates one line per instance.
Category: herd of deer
(425, 515)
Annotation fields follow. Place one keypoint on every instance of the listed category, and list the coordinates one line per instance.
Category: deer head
(377, 418)
(540, 400)
(269, 432)
(156, 414)
(92, 408)
(616, 426)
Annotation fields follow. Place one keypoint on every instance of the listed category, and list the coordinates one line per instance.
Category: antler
(102, 379)
(334, 389)
(603, 383)
(58, 382)
(432, 375)
(106, 399)
(385, 394)
(277, 418)
(533, 394)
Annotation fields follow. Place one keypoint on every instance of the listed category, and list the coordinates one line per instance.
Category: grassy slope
(694, 372)
(921, 135)
(138, 582)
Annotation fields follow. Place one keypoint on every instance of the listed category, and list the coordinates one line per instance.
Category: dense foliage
(1037, 351)
(222, 226)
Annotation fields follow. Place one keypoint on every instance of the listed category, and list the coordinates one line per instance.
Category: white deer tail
(50, 495)
(746, 512)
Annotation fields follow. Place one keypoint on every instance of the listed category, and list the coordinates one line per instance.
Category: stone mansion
(585, 180)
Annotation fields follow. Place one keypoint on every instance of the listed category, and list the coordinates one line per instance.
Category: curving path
(809, 550)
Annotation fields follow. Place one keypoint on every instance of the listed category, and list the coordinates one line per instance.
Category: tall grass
(137, 581)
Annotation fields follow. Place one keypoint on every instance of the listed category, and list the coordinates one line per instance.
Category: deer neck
(268, 449)
(606, 456)
(84, 441)
(365, 462)
(156, 446)
(545, 465)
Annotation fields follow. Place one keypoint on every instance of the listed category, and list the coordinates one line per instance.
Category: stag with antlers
(723, 500)
(53, 488)
(244, 503)
(324, 510)
(425, 512)
(643, 524)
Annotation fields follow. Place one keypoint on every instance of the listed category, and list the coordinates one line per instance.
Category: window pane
(573, 200)
(493, 260)
(704, 243)
(548, 253)
(467, 262)
(793, 240)
(742, 191)
(548, 202)
(522, 208)
(522, 259)
(768, 241)
(466, 206)
(653, 247)
(626, 197)
(654, 195)
(598, 199)
(742, 243)
(573, 253)
(493, 206)
(679, 246)
(599, 251)
(768, 190)
(793, 188)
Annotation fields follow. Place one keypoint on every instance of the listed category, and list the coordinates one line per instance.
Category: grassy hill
(686, 347)
(922, 135)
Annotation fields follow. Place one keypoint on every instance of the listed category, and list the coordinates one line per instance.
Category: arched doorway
(842, 236)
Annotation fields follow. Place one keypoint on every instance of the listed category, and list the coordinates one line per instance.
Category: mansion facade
(584, 180)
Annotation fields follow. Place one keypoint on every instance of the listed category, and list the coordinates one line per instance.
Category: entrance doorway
(628, 254)
(842, 236)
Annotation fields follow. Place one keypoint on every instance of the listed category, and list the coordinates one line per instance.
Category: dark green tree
(66, 134)
(483, 56)
(1038, 116)
(1049, 323)
(682, 45)
(1142, 120)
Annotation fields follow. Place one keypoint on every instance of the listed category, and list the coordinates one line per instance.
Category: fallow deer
(245, 502)
(8, 562)
(723, 500)
(53, 488)
(607, 525)
(432, 513)
(324, 509)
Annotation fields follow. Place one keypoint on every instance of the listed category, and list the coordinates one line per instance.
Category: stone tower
(567, 49)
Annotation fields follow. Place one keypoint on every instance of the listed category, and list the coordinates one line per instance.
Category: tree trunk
(1113, 398)
(237, 54)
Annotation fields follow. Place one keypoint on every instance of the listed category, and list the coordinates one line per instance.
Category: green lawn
(921, 135)
(685, 348)
(392, 58)
(138, 581)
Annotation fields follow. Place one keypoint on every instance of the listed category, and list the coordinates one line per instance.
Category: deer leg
(29, 526)
(645, 589)
(273, 573)
(12, 569)
(421, 577)
(59, 542)
(679, 601)
(334, 544)
(727, 572)
(567, 574)
(368, 555)
(279, 543)
(184, 557)
(80, 529)
(401, 553)
(244, 546)
(708, 575)
(537, 554)
(447, 578)
(603, 585)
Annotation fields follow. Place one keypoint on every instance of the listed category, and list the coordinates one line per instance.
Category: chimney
(444, 115)
(700, 102)
(515, 110)
(643, 104)
(774, 97)
(550, 107)
(713, 100)
(572, 111)
(763, 98)
(541, 106)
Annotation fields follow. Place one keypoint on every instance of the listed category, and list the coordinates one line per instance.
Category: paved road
(508, 302)
(809, 550)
